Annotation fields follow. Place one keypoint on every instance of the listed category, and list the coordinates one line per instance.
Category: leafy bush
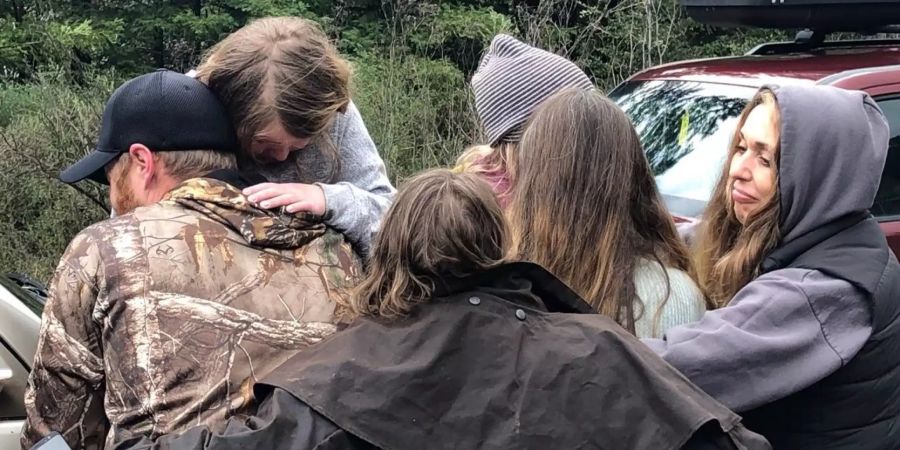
(458, 34)
(29, 46)
(38, 214)
(417, 110)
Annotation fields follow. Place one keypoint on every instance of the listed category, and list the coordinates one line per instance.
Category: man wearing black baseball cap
(161, 317)
(162, 111)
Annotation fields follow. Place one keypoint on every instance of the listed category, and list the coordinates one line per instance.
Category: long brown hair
(728, 254)
(585, 205)
(442, 226)
(279, 68)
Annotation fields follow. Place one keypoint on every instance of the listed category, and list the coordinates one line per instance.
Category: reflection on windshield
(20, 294)
(694, 175)
(685, 128)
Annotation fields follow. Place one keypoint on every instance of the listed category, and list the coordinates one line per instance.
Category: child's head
(282, 82)
(512, 79)
(442, 226)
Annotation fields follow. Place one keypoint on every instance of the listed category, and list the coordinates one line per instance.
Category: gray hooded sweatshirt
(791, 328)
(357, 189)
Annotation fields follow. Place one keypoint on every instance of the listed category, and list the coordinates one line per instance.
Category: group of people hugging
(261, 284)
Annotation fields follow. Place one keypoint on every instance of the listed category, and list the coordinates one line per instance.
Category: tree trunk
(159, 49)
(18, 10)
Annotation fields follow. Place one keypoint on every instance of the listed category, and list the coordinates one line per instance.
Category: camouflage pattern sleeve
(66, 387)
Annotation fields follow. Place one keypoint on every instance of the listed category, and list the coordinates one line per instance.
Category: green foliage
(704, 40)
(57, 124)
(416, 109)
(458, 33)
(263, 8)
(31, 46)
(59, 59)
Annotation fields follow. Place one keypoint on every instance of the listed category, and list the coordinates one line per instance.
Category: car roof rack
(831, 15)
(809, 40)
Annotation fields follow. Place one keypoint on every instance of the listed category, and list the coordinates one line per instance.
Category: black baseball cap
(163, 110)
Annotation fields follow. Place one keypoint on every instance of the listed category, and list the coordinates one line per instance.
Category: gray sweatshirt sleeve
(355, 205)
(779, 335)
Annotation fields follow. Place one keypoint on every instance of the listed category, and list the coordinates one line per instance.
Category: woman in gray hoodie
(581, 177)
(806, 344)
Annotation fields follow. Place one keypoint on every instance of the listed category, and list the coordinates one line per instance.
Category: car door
(20, 321)
(13, 378)
(887, 202)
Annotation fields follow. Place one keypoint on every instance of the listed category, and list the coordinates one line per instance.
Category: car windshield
(685, 128)
(31, 301)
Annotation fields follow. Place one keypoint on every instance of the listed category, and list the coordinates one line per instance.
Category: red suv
(686, 112)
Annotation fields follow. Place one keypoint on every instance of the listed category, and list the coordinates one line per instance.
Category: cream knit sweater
(685, 302)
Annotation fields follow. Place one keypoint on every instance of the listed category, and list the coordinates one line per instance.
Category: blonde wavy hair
(443, 226)
(727, 254)
(488, 161)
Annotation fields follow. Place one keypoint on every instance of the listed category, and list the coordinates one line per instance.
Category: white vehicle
(21, 303)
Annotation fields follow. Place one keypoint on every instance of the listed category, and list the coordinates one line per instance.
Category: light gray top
(358, 195)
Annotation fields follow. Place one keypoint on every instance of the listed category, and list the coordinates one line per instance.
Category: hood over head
(224, 203)
(833, 147)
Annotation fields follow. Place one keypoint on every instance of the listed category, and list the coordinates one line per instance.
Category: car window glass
(887, 201)
(685, 128)
(12, 391)
(30, 300)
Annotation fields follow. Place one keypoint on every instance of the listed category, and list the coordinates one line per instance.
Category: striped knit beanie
(512, 79)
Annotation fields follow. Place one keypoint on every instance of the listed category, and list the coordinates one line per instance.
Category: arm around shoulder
(775, 338)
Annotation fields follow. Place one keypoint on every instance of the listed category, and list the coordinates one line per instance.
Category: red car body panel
(873, 68)
(755, 70)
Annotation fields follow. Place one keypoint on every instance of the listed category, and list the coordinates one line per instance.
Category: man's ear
(145, 164)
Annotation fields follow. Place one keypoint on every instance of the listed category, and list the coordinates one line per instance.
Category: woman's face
(273, 144)
(752, 173)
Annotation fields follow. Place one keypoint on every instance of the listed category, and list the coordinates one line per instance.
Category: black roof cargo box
(819, 15)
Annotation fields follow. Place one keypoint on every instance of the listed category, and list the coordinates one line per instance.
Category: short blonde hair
(186, 164)
(486, 161)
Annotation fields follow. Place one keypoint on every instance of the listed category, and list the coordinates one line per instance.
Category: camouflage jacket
(161, 319)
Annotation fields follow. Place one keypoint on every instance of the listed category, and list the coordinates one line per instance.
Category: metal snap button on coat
(520, 314)
(475, 300)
